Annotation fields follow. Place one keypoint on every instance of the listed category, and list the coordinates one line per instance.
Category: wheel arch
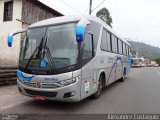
(102, 72)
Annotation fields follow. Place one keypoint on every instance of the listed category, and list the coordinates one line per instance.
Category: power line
(98, 5)
(70, 6)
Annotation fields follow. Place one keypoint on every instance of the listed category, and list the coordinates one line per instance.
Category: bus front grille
(43, 85)
(41, 93)
(50, 85)
(30, 84)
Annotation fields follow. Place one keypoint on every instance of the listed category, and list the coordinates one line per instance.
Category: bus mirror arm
(10, 36)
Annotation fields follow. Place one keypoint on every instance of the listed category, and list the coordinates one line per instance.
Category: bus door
(87, 70)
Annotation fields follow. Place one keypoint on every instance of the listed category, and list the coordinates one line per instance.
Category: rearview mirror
(10, 36)
(10, 39)
(80, 29)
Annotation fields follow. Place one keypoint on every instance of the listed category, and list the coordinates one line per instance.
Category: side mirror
(10, 39)
(80, 29)
(10, 36)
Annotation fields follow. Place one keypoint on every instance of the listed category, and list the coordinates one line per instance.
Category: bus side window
(124, 49)
(109, 42)
(127, 50)
(104, 41)
(88, 46)
(120, 46)
(114, 46)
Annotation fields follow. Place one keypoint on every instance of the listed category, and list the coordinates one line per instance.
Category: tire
(123, 77)
(99, 90)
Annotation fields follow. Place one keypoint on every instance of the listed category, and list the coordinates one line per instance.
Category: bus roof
(66, 19)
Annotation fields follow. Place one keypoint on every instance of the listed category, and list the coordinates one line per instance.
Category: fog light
(69, 94)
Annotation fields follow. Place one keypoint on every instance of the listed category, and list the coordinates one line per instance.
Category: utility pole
(90, 7)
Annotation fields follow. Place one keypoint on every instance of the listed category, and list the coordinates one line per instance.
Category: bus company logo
(51, 79)
(38, 85)
(38, 72)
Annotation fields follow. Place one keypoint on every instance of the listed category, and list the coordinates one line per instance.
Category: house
(11, 13)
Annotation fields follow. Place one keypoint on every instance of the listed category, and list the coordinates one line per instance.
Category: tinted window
(56, 45)
(114, 46)
(87, 46)
(108, 41)
(120, 46)
(104, 41)
(124, 49)
(94, 27)
(129, 49)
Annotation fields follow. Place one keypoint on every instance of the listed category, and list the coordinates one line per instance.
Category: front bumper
(55, 94)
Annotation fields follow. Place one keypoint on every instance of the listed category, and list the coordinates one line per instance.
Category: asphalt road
(139, 93)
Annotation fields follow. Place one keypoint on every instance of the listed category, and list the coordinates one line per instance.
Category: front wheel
(99, 90)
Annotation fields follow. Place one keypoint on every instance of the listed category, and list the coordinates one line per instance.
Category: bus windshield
(136, 61)
(55, 45)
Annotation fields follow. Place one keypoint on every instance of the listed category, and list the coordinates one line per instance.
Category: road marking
(14, 104)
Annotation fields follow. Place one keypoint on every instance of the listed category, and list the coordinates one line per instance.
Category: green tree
(104, 14)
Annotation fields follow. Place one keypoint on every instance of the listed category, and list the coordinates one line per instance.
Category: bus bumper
(70, 93)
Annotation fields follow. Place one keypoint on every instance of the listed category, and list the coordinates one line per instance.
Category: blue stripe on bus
(20, 75)
(128, 65)
(118, 58)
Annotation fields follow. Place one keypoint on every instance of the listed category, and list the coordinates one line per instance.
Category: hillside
(145, 50)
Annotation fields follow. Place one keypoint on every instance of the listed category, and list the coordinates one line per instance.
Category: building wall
(33, 11)
(9, 56)
(29, 11)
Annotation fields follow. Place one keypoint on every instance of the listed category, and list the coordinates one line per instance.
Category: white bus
(138, 62)
(70, 58)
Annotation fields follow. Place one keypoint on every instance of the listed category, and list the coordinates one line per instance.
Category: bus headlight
(69, 81)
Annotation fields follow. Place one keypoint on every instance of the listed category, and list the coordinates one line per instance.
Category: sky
(138, 20)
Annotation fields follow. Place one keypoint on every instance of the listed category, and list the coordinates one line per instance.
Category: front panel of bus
(51, 59)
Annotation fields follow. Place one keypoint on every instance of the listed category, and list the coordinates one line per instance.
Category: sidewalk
(9, 96)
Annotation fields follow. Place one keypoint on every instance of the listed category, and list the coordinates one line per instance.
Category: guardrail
(8, 75)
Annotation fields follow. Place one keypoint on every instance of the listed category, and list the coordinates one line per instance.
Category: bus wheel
(123, 77)
(99, 90)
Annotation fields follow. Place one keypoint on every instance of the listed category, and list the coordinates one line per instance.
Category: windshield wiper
(42, 50)
(49, 56)
(39, 48)
(31, 58)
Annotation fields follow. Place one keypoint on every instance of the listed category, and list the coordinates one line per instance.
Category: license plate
(40, 97)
